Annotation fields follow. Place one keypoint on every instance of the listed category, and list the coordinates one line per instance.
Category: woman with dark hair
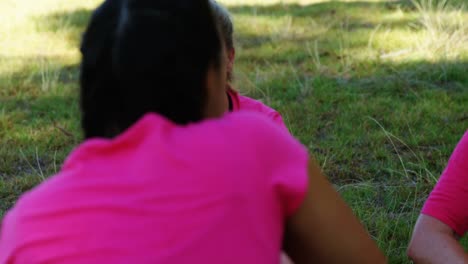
(152, 184)
(238, 102)
(136, 60)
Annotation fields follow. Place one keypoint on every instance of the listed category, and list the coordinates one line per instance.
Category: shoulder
(246, 131)
(236, 127)
(460, 154)
(249, 104)
(284, 158)
(457, 167)
(253, 124)
(260, 132)
(242, 102)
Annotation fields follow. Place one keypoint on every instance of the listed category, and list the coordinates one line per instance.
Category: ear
(231, 57)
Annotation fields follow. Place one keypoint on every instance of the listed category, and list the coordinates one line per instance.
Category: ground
(377, 90)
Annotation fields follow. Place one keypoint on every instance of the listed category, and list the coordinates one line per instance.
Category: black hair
(143, 56)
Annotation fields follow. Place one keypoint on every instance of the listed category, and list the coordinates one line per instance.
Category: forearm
(325, 230)
(439, 249)
(434, 242)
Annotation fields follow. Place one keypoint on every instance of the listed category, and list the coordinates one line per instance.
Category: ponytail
(143, 56)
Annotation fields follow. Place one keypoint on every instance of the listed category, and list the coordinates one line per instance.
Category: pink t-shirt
(217, 191)
(448, 202)
(240, 102)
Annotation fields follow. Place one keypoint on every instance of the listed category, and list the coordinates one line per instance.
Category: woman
(238, 102)
(153, 182)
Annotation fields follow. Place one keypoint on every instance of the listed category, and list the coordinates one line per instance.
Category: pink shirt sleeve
(291, 177)
(448, 202)
(287, 159)
(278, 119)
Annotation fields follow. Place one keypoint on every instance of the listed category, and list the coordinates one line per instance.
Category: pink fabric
(448, 202)
(240, 102)
(212, 192)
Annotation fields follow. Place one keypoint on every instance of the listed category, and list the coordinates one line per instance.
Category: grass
(377, 90)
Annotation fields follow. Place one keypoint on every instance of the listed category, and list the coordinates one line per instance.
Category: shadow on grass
(39, 117)
(419, 75)
(37, 134)
(35, 95)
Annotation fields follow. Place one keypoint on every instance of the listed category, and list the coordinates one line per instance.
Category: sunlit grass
(32, 52)
(287, 2)
(446, 29)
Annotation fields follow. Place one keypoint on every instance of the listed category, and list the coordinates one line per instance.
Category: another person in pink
(236, 101)
(152, 182)
(239, 102)
(444, 217)
(245, 103)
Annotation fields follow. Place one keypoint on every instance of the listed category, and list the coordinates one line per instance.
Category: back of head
(143, 56)
(224, 21)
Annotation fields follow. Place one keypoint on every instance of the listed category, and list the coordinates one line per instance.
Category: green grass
(377, 90)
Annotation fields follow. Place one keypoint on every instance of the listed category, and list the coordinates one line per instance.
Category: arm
(435, 242)
(444, 216)
(324, 228)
